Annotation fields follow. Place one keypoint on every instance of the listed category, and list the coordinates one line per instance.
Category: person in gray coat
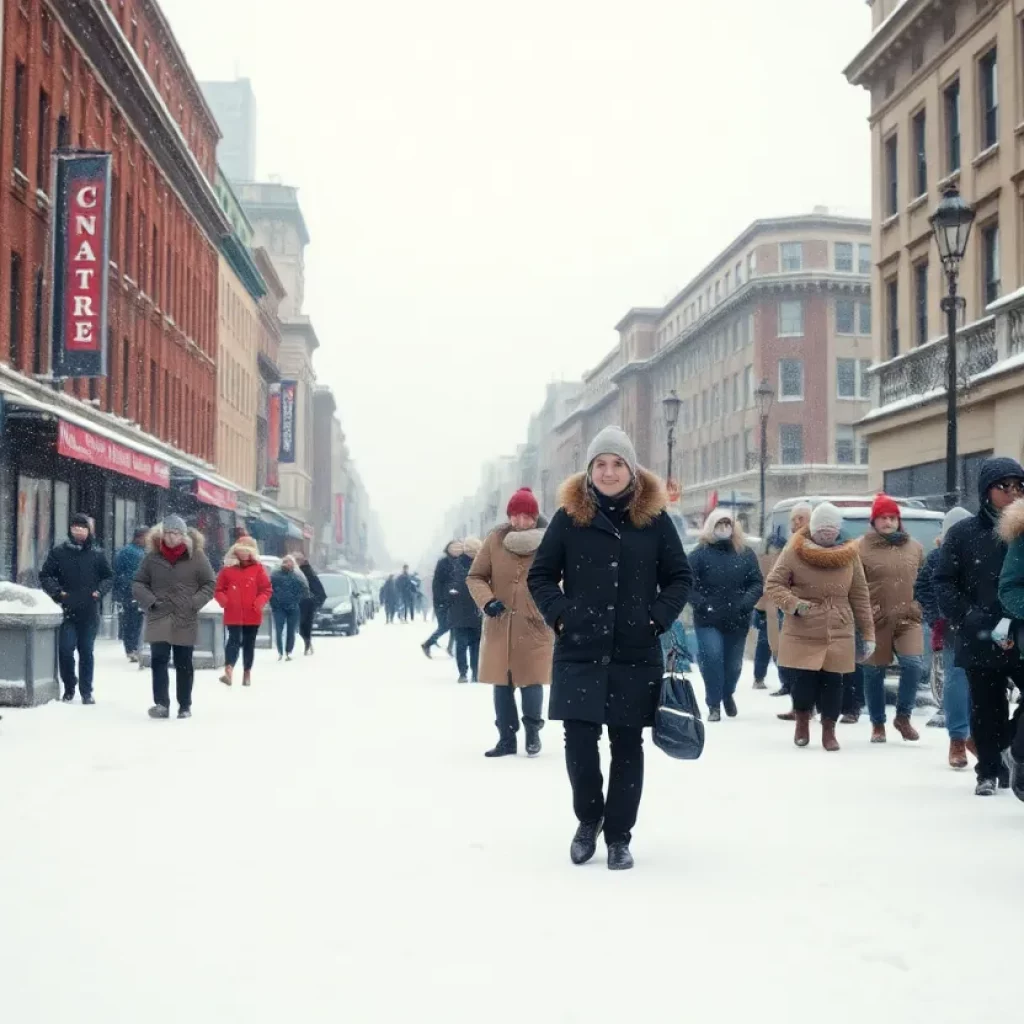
(174, 581)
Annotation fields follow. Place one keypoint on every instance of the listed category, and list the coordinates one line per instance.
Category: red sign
(339, 519)
(211, 494)
(712, 503)
(81, 444)
(82, 301)
(672, 486)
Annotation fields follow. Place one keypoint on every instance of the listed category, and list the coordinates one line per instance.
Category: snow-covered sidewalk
(330, 845)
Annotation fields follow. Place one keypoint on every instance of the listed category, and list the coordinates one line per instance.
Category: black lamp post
(671, 404)
(951, 224)
(764, 396)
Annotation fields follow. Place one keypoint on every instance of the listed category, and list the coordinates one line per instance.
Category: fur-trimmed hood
(1011, 522)
(193, 540)
(648, 501)
(231, 559)
(837, 557)
(522, 542)
(715, 516)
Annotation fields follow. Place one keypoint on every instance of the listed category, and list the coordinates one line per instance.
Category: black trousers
(810, 688)
(307, 611)
(241, 638)
(183, 674)
(992, 728)
(625, 777)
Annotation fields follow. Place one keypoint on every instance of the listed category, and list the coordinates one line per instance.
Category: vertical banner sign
(289, 389)
(80, 255)
(339, 519)
(273, 435)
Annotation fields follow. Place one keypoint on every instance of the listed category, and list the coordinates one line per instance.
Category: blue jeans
(286, 621)
(720, 660)
(763, 652)
(956, 696)
(911, 666)
(442, 626)
(131, 626)
(77, 637)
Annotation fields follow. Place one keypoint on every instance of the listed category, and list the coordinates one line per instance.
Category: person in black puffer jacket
(727, 583)
(464, 617)
(965, 579)
(76, 574)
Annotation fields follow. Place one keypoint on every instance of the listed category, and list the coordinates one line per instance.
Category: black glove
(494, 608)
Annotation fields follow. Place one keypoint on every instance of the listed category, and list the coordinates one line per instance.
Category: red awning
(211, 494)
(74, 442)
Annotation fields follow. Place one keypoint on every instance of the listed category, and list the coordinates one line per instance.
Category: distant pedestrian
(726, 585)
(610, 577)
(517, 644)
(966, 579)
(799, 517)
(285, 604)
(765, 618)
(443, 591)
(314, 598)
(463, 614)
(819, 584)
(126, 565)
(243, 590)
(174, 582)
(389, 598)
(405, 588)
(76, 574)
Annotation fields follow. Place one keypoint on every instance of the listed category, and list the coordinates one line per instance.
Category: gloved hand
(869, 649)
(494, 608)
(802, 608)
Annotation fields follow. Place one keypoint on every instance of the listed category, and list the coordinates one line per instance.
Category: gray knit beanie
(613, 441)
(174, 523)
(952, 517)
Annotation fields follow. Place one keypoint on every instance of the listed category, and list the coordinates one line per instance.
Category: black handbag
(678, 728)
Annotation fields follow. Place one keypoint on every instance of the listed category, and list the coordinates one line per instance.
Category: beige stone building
(947, 109)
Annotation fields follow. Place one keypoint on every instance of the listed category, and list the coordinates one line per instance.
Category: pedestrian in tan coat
(819, 585)
(517, 644)
(892, 560)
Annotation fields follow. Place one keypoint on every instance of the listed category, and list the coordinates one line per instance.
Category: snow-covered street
(331, 846)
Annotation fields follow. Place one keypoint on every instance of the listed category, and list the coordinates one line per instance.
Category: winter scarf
(173, 554)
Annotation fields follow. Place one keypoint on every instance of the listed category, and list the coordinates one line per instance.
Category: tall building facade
(946, 108)
(234, 107)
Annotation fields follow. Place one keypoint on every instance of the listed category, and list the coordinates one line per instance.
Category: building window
(791, 319)
(792, 254)
(718, 292)
(716, 402)
(865, 318)
(791, 380)
(951, 105)
(844, 257)
(892, 176)
(748, 386)
(38, 317)
(988, 89)
(852, 378)
(739, 274)
(845, 316)
(892, 315)
(921, 302)
(920, 153)
(863, 259)
(949, 28)
(20, 97)
(848, 452)
(129, 238)
(43, 142)
(751, 264)
(990, 262)
(63, 132)
(791, 443)
(14, 305)
(916, 58)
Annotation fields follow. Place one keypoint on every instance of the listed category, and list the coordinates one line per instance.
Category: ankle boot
(877, 733)
(802, 735)
(828, 734)
(226, 678)
(901, 723)
(247, 678)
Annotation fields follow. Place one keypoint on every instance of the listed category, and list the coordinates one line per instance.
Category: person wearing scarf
(609, 577)
(818, 582)
(892, 560)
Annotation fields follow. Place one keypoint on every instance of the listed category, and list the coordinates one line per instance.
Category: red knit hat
(523, 503)
(883, 505)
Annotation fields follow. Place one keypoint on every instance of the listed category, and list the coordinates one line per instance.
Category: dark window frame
(919, 136)
(951, 107)
(988, 97)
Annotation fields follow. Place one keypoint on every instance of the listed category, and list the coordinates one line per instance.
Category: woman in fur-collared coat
(517, 643)
(610, 577)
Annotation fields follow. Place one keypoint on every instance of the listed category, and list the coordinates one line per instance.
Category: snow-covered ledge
(29, 622)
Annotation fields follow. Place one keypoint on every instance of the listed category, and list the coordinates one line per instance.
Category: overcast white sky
(490, 187)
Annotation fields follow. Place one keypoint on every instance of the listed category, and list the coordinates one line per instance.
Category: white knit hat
(824, 516)
(613, 441)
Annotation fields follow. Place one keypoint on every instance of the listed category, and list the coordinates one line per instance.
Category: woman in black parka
(609, 577)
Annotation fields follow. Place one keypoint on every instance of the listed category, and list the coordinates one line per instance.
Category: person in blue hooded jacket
(126, 565)
(285, 604)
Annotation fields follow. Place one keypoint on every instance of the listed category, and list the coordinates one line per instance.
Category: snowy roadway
(331, 846)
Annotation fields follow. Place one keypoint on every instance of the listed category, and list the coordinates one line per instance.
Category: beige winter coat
(517, 646)
(891, 571)
(831, 581)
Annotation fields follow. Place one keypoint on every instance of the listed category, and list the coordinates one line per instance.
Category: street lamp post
(764, 396)
(671, 404)
(951, 224)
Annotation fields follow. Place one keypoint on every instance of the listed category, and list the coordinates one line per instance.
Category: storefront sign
(273, 435)
(286, 452)
(211, 494)
(339, 519)
(80, 255)
(75, 442)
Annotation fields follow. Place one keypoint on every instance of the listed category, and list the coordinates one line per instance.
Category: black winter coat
(462, 610)
(77, 571)
(609, 580)
(966, 577)
(924, 588)
(446, 575)
(726, 585)
(317, 595)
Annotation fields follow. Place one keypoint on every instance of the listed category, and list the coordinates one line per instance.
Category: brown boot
(226, 678)
(850, 718)
(901, 723)
(877, 733)
(957, 754)
(247, 678)
(802, 735)
(828, 734)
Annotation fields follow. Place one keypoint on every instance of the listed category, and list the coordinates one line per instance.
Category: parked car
(921, 523)
(339, 613)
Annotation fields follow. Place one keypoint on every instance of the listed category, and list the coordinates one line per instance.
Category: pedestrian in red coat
(243, 590)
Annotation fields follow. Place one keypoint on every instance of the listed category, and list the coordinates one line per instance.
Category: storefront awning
(295, 532)
(275, 519)
(214, 494)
